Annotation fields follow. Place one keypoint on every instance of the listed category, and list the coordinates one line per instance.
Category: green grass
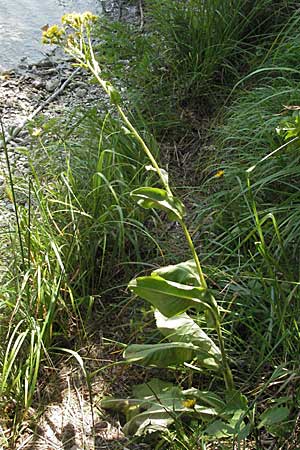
(252, 216)
(191, 54)
(82, 236)
(74, 241)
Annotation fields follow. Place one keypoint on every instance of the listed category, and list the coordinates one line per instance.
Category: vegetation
(230, 311)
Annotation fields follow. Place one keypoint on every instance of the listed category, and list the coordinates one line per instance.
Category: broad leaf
(163, 173)
(182, 328)
(153, 387)
(205, 397)
(168, 354)
(219, 429)
(234, 411)
(163, 411)
(169, 297)
(235, 402)
(185, 273)
(149, 197)
(160, 405)
(273, 416)
(158, 416)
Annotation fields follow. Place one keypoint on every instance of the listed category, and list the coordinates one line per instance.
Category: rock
(45, 63)
(52, 84)
(9, 206)
(81, 92)
(38, 83)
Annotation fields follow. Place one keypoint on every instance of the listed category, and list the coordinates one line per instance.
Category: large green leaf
(185, 273)
(120, 404)
(273, 416)
(205, 397)
(158, 404)
(163, 411)
(235, 401)
(149, 197)
(170, 297)
(233, 414)
(153, 387)
(167, 354)
(182, 328)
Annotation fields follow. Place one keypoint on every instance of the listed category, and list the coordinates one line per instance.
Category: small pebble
(52, 84)
(81, 92)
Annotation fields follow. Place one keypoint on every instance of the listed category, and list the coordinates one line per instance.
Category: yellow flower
(53, 35)
(219, 174)
(190, 403)
(75, 20)
(89, 17)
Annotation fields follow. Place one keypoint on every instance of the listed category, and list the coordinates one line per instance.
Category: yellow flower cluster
(53, 35)
(75, 20)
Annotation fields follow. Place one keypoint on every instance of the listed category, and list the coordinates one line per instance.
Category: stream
(21, 22)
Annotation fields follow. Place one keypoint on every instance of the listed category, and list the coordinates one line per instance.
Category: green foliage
(190, 52)
(82, 223)
(78, 222)
(157, 404)
(169, 297)
(159, 199)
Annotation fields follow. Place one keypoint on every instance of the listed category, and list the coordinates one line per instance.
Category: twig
(9, 137)
(141, 14)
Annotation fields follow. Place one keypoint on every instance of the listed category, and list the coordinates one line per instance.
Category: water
(21, 22)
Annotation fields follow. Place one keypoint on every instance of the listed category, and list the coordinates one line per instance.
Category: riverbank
(66, 310)
(31, 97)
(49, 88)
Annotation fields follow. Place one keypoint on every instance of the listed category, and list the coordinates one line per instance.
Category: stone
(81, 92)
(52, 84)
(38, 83)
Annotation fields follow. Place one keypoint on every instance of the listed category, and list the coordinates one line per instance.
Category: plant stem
(12, 193)
(194, 253)
(95, 69)
(92, 64)
(145, 148)
(227, 374)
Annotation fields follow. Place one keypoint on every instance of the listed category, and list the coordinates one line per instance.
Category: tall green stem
(92, 64)
(227, 374)
(95, 69)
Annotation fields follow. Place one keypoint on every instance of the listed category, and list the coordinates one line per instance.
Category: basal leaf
(148, 197)
(155, 386)
(169, 297)
(219, 429)
(272, 416)
(235, 402)
(162, 412)
(160, 355)
(182, 328)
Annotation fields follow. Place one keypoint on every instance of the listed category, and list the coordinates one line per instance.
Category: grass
(191, 55)
(81, 236)
(78, 233)
(251, 223)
